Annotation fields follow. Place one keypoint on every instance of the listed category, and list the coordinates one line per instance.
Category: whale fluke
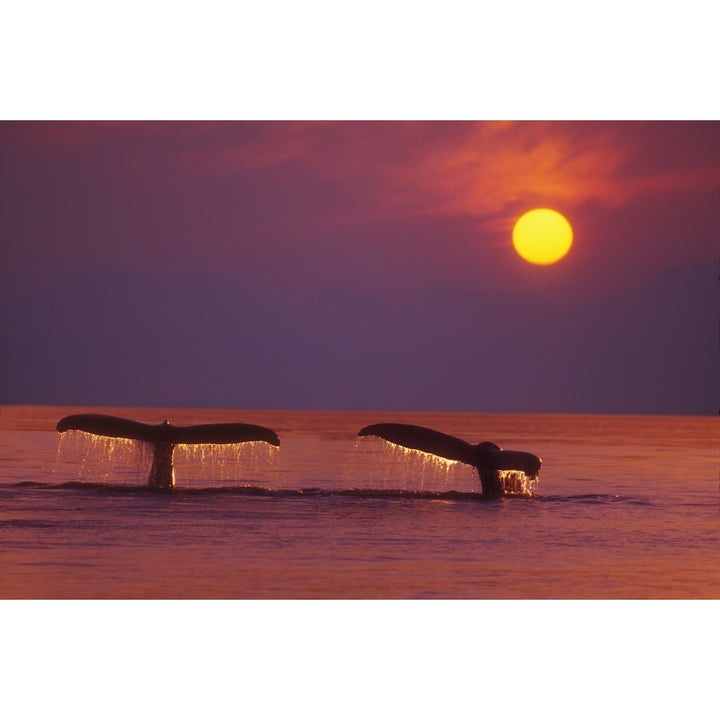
(489, 459)
(423, 439)
(166, 436)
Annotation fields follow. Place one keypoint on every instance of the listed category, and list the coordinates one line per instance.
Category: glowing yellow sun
(542, 236)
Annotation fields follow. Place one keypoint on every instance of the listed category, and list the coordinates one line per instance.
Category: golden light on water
(542, 236)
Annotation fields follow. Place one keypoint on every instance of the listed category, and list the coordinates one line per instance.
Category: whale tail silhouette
(489, 459)
(165, 437)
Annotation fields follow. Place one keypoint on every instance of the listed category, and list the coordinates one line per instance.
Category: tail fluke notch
(166, 436)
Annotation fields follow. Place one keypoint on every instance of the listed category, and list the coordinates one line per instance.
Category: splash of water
(517, 483)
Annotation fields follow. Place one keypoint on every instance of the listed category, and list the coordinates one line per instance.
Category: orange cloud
(486, 170)
(496, 168)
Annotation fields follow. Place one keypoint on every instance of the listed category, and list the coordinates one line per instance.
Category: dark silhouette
(486, 457)
(165, 437)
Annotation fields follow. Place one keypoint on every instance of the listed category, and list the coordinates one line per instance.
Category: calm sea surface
(625, 507)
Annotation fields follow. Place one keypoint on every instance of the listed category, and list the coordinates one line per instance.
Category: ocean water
(625, 507)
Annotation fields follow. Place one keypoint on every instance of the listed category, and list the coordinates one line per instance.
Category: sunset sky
(364, 265)
(359, 265)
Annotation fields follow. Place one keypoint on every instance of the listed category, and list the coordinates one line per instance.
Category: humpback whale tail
(489, 459)
(165, 437)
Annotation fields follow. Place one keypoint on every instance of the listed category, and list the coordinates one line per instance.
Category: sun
(542, 236)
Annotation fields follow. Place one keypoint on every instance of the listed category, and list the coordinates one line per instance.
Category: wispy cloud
(383, 170)
(495, 169)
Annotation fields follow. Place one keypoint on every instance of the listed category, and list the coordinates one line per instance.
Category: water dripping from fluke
(165, 437)
(502, 472)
